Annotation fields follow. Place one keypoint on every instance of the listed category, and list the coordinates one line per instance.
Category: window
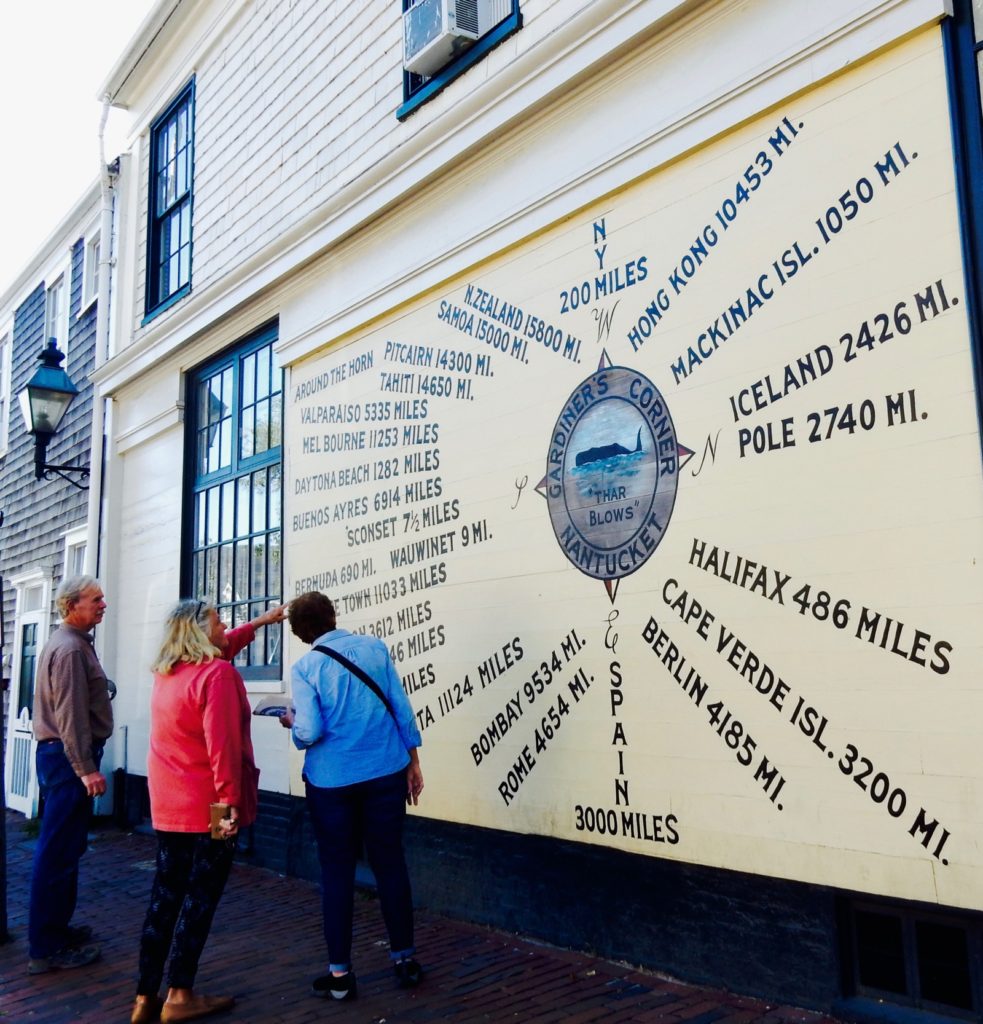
(75, 542)
(922, 960)
(5, 336)
(90, 271)
(56, 314)
(169, 229)
(234, 447)
(504, 19)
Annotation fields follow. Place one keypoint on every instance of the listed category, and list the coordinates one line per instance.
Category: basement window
(919, 960)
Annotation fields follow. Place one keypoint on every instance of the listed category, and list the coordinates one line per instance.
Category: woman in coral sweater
(200, 753)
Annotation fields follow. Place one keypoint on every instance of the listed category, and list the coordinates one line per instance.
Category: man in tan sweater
(72, 721)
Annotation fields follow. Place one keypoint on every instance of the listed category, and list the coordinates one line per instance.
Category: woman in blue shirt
(361, 769)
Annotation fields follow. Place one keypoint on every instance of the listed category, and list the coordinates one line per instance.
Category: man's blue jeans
(64, 830)
(344, 817)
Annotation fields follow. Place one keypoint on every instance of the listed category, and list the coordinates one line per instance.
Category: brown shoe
(195, 1007)
(146, 1010)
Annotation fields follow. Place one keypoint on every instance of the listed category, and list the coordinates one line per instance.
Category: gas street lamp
(43, 404)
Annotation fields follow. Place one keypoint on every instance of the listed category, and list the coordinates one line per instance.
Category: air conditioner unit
(436, 31)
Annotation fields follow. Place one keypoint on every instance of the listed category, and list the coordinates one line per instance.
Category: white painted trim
(533, 79)
(150, 428)
(6, 381)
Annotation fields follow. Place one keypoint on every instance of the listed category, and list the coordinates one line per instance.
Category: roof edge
(114, 86)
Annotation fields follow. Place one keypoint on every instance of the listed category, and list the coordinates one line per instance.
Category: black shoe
(409, 973)
(77, 935)
(328, 986)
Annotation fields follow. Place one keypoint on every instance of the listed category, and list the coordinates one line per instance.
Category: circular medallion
(611, 473)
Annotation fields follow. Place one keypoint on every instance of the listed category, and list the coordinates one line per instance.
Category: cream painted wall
(424, 511)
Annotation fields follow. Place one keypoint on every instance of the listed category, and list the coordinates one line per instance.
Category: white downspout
(107, 176)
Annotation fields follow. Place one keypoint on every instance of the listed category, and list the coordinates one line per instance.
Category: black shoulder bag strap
(356, 671)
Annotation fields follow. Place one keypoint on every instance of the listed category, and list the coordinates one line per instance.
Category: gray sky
(56, 54)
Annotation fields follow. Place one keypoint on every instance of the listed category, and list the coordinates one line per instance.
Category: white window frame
(90, 269)
(75, 539)
(23, 583)
(6, 346)
(59, 328)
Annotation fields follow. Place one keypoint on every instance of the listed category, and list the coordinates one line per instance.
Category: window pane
(276, 415)
(216, 407)
(214, 435)
(274, 497)
(247, 439)
(225, 591)
(262, 426)
(228, 511)
(242, 508)
(213, 535)
(249, 380)
(198, 573)
(165, 267)
(274, 570)
(880, 951)
(258, 585)
(227, 391)
(202, 456)
(183, 270)
(274, 633)
(210, 589)
(242, 585)
(259, 501)
(225, 443)
(263, 372)
(943, 964)
(184, 218)
(200, 503)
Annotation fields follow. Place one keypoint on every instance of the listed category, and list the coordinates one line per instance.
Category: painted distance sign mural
(671, 515)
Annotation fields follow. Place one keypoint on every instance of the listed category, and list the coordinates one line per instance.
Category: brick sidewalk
(266, 945)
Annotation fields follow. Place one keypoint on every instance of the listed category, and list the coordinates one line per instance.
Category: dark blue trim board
(960, 47)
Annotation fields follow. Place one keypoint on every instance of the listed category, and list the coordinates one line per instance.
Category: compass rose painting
(612, 473)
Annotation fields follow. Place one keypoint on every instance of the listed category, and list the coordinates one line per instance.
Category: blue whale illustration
(607, 451)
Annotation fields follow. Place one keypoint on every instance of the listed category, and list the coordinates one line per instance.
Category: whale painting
(607, 451)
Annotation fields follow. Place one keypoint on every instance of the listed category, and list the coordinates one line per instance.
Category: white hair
(70, 590)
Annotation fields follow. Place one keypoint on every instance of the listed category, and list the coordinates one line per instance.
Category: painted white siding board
(146, 585)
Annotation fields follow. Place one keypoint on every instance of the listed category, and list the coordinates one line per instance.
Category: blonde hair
(185, 636)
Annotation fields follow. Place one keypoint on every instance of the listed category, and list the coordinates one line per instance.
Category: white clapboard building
(617, 362)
